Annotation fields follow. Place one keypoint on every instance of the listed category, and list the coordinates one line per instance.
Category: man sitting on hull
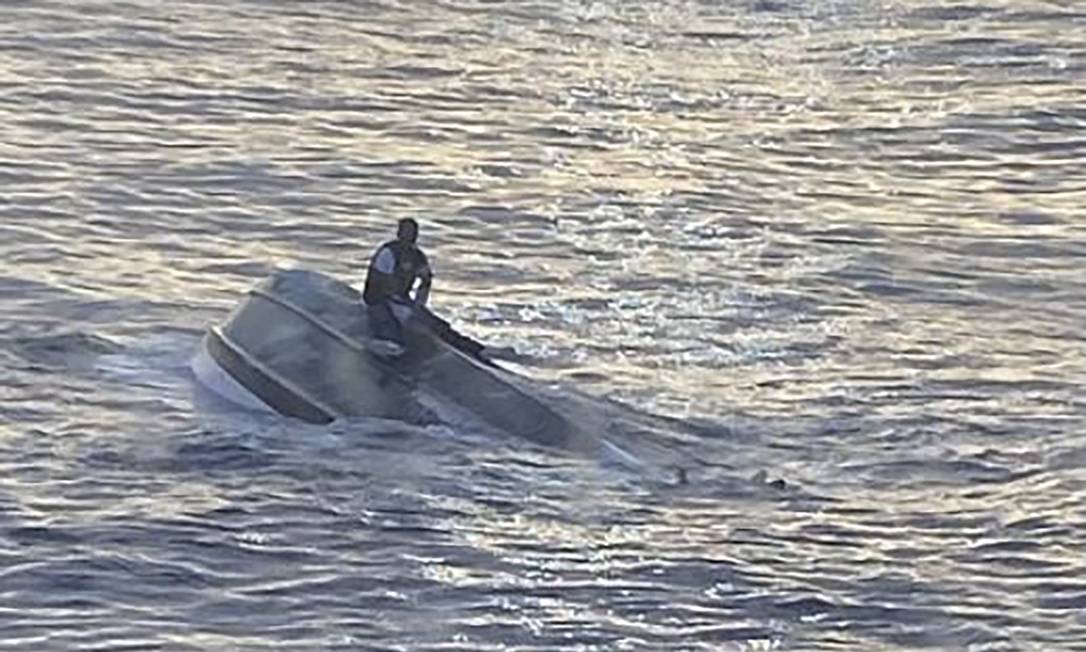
(390, 281)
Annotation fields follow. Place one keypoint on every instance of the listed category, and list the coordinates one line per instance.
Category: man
(394, 269)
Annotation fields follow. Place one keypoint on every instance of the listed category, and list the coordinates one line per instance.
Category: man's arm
(422, 294)
(382, 271)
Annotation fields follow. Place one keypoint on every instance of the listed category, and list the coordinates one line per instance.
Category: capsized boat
(299, 344)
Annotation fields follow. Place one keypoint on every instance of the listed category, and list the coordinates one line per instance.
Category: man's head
(407, 230)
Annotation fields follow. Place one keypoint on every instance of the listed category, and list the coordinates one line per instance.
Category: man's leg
(383, 324)
(445, 331)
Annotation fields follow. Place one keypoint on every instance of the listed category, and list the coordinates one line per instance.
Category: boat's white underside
(216, 379)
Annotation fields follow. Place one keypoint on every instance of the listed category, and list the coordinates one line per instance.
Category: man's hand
(422, 294)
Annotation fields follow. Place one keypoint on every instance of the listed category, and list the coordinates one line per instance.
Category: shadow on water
(71, 350)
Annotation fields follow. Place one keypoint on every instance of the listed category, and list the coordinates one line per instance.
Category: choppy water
(841, 241)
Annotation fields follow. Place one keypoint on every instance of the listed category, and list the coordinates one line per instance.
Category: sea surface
(830, 252)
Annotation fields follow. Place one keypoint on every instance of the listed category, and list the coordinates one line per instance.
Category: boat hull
(299, 344)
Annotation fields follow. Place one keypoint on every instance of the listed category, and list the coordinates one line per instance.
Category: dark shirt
(393, 270)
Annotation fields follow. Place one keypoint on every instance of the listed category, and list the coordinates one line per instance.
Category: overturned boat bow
(299, 344)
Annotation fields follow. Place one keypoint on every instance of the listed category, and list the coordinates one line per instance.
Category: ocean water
(830, 251)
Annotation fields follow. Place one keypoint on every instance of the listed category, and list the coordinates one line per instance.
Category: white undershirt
(385, 262)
